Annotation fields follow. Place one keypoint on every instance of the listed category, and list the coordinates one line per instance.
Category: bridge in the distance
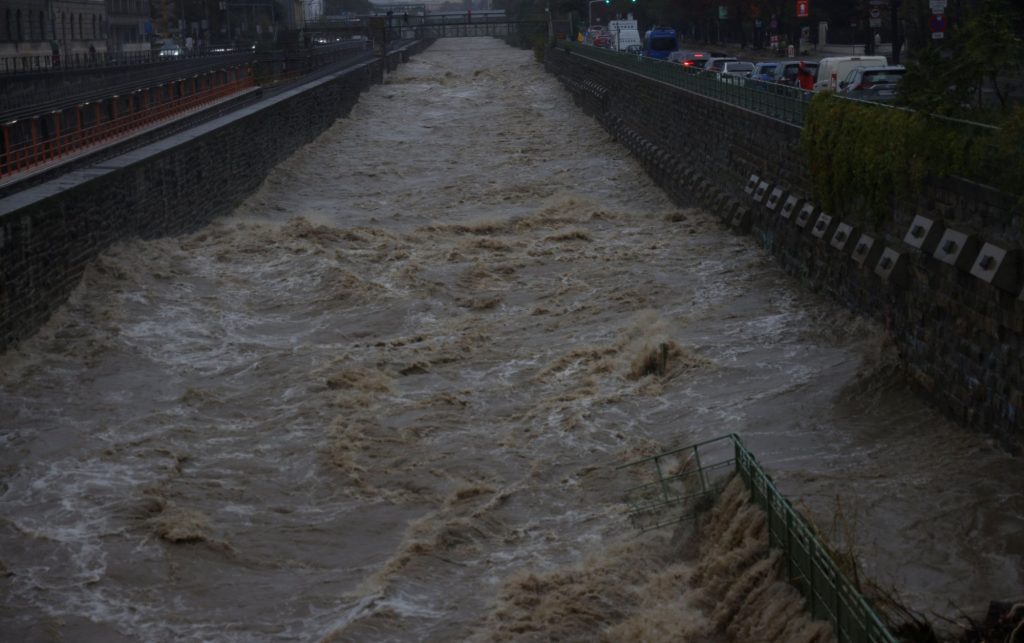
(411, 23)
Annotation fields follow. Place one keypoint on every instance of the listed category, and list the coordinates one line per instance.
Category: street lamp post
(590, 11)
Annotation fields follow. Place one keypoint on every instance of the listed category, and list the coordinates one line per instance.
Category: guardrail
(778, 101)
(27, 142)
(47, 62)
(687, 480)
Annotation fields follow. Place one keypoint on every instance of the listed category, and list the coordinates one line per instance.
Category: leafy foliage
(867, 159)
(967, 74)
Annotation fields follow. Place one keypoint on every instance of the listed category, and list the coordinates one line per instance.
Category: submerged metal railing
(687, 481)
(687, 478)
(783, 102)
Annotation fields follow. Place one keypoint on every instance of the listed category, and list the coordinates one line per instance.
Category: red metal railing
(101, 121)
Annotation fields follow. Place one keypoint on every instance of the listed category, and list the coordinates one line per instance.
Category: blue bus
(659, 42)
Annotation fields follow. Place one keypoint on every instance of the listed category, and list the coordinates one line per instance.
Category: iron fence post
(661, 479)
(700, 471)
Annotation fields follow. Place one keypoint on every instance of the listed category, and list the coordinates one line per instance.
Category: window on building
(17, 24)
(7, 24)
(42, 26)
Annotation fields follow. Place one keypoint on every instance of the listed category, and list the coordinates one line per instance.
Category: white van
(624, 34)
(833, 69)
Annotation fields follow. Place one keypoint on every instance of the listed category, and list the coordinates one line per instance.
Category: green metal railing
(687, 481)
(686, 478)
(785, 103)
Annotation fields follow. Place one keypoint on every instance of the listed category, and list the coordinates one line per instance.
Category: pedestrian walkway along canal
(383, 400)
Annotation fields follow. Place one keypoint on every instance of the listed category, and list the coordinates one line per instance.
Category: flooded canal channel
(383, 400)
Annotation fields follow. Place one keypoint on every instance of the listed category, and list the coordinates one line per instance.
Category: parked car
(737, 68)
(598, 37)
(763, 71)
(785, 71)
(623, 34)
(835, 68)
(872, 83)
(170, 50)
(714, 63)
(689, 58)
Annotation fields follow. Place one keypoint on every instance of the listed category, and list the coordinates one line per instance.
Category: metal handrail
(25, 155)
(44, 62)
(696, 473)
(777, 101)
(57, 134)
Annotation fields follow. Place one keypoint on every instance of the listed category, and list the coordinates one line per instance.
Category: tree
(966, 73)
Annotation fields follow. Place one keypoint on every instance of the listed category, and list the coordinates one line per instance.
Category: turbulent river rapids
(384, 400)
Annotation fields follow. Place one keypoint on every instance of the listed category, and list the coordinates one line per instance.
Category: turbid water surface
(384, 398)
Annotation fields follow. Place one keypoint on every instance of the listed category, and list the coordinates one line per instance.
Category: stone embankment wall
(943, 277)
(50, 232)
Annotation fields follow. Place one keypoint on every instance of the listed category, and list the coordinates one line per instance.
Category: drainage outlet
(741, 220)
(996, 266)
(761, 191)
(891, 266)
(957, 249)
(752, 184)
(924, 234)
(803, 218)
(775, 199)
(824, 226)
(790, 206)
(866, 251)
(842, 238)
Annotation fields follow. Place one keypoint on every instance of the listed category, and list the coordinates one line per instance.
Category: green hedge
(866, 159)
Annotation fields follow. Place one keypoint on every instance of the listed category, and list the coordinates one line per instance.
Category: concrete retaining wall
(50, 232)
(957, 318)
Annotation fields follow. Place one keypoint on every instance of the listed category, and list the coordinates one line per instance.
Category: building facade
(52, 29)
(129, 25)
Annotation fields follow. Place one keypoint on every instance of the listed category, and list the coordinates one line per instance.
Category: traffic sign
(937, 6)
(937, 24)
(803, 8)
(875, 12)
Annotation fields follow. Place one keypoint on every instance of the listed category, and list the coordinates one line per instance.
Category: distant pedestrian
(405, 18)
(92, 53)
(804, 77)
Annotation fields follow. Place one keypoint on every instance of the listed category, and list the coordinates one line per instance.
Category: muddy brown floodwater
(382, 401)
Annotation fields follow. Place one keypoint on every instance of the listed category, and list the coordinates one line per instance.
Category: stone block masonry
(955, 312)
(50, 232)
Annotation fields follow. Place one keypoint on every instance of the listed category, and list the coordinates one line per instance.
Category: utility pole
(897, 37)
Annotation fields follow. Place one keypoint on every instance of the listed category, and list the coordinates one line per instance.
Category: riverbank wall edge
(49, 233)
(958, 326)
